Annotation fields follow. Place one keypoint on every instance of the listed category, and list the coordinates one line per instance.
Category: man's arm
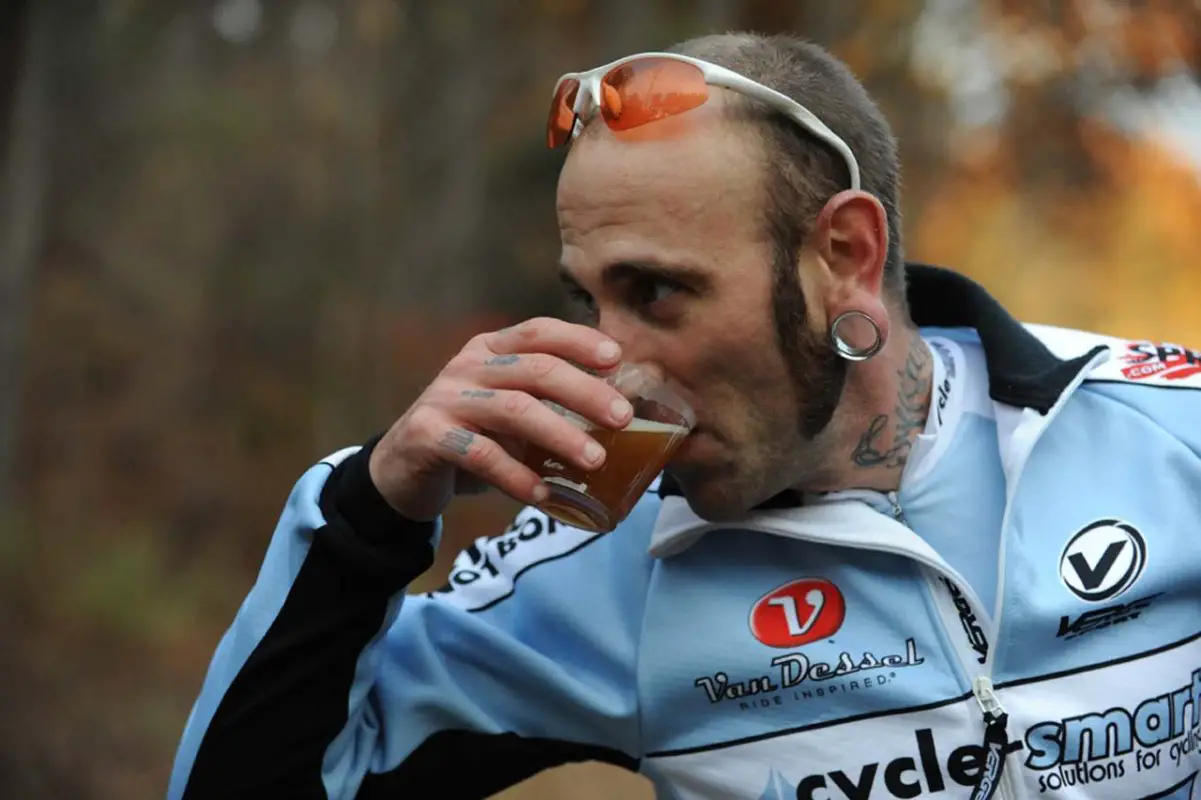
(332, 683)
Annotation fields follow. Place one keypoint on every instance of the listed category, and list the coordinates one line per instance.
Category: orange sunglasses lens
(650, 89)
(562, 114)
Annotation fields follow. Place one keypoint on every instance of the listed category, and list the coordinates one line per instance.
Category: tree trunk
(22, 193)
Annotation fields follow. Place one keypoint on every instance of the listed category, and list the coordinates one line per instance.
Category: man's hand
(469, 424)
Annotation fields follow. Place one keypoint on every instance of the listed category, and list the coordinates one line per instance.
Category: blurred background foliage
(238, 235)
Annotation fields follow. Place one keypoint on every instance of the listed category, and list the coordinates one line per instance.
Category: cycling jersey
(952, 490)
(818, 648)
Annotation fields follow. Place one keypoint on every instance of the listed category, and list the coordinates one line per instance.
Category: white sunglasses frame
(714, 75)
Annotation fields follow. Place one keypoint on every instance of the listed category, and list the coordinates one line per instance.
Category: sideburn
(818, 374)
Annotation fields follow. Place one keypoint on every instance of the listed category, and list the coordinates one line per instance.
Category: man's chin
(709, 495)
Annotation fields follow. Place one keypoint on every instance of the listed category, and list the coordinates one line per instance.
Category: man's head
(759, 245)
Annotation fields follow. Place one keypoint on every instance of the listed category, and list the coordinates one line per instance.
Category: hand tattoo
(501, 361)
(458, 440)
(913, 406)
(478, 394)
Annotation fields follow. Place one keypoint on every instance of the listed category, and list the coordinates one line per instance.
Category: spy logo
(1157, 360)
(1103, 560)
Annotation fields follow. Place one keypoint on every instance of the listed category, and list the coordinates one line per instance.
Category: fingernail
(593, 452)
(620, 409)
(608, 351)
(541, 492)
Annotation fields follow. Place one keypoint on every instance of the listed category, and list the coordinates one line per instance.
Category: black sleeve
(288, 700)
(323, 687)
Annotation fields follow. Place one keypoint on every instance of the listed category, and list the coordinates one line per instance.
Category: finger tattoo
(458, 440)
(501, 361)
(478, 394)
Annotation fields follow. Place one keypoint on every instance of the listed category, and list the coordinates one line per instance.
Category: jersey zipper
(898, 513)
(996, 741)
(996, 720)
(995, 781)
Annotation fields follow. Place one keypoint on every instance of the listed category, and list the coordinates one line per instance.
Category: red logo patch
(1156, 360)
(798, 612)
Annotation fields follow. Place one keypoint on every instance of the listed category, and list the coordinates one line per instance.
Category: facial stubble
(817, 374)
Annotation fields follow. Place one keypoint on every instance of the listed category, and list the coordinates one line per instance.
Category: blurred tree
(1109, 92)
(23, 57)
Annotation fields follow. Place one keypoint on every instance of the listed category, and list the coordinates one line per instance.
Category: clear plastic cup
(601, 499)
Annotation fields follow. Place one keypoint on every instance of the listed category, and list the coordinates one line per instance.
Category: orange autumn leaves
(1120, 256)
(1068, 219)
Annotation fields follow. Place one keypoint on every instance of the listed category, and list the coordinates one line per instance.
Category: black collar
(1022, 371)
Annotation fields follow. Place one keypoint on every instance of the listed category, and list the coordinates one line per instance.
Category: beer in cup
(599, 500)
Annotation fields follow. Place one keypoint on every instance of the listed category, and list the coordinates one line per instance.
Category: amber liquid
(599, 500)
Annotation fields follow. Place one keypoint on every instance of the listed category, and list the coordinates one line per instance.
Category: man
(911, 547)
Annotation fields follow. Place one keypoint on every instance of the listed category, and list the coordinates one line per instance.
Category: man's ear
(851, 235)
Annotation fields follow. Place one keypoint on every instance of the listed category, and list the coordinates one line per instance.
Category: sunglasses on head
(640, 89)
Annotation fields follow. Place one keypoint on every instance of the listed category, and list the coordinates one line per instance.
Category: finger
(481, 456)
(468, 484)
(520, 416)
(548, 377)
(578, 343)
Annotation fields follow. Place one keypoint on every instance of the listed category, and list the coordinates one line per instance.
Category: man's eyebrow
(622, 271)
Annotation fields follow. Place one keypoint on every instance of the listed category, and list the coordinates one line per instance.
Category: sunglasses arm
(789, 107)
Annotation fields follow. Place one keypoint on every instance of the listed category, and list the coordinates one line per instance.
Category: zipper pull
(996, 739)
(897, 512)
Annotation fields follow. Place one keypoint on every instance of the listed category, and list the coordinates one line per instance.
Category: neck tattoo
(913, 406)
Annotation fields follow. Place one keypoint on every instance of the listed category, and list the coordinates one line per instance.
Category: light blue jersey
(1021, 620)
(952, 491)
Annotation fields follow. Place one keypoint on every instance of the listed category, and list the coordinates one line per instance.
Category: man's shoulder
(539, 558)
(1137, 362)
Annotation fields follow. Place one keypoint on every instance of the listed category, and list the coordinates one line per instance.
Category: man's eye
(646, 293)
(582, 299)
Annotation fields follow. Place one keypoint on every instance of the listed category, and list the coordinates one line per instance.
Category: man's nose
(635, 348)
